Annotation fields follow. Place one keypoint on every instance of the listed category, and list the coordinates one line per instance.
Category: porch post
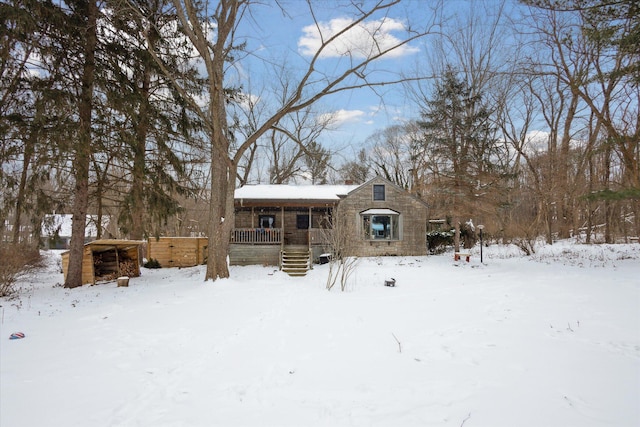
(309, 231)
(282, 236)
(253, 219)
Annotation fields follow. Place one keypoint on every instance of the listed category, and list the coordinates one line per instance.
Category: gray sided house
(285, 225)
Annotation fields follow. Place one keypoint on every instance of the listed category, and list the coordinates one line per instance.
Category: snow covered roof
(292, 192)
(379, 212)
(61, 223)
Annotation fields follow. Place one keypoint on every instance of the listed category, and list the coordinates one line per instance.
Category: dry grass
(14, 261)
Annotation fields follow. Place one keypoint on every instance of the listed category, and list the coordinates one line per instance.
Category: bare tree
(587, 43)
(339, 234)
(357, 171)
(397, 154)
(292, 142)
(312, 84)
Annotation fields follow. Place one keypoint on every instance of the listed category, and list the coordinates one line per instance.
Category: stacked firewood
(128, 268)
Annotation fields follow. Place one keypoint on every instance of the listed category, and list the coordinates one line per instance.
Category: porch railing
(266, 236)
(256, 235)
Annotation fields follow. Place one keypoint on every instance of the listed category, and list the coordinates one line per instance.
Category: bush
(16, 260)
(437, 241)
(152, 263)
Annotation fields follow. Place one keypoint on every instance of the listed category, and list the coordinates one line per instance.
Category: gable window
(378, 192)
(267, 221)
(380, 224)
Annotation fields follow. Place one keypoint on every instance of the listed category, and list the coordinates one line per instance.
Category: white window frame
(391, 227)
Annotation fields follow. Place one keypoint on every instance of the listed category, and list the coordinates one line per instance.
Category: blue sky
(290, 37)
(284, 33)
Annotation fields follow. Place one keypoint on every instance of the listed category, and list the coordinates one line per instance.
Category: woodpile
(109, 265)
(128, 268)
(107, 259)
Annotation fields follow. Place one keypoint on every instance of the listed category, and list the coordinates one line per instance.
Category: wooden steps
(296, 262)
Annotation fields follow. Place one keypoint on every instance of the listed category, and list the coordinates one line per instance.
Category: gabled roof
(380, 179)
(302, 195)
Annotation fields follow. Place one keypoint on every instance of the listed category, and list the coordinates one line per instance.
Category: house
(284, 224)
(56, 230)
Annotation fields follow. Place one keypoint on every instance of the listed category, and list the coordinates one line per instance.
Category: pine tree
(317, 160)
(461, 144)
(156, 125)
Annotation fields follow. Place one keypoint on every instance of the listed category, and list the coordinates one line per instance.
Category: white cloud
(363, 40)
(341, 117)
(248, 101)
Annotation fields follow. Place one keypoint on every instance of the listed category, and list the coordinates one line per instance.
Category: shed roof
(108, 244)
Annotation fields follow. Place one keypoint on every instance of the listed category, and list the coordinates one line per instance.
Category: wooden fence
(178, 251)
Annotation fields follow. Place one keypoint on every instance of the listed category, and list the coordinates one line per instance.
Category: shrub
(437, 241)
(152, 263)
(16, 260)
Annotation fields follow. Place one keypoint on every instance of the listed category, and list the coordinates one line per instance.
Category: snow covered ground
(547, 340)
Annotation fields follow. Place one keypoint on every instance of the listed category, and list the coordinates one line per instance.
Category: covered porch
(282, 226)
(278, 236)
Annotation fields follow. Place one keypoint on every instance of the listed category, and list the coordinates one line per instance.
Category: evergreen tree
(317, 160)
(461, 143)
(156, 126)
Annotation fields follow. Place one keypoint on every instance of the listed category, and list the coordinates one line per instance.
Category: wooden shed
(106, 260)
(178, 251)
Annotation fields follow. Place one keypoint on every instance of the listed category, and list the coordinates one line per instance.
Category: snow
(62, 223)
(547, 340)
(292, 192)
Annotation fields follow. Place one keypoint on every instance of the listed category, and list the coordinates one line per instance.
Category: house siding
(246, 218)
(412, 228)
(413, 219)
(254, 254)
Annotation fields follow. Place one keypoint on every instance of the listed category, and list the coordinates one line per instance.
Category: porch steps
(296, 262)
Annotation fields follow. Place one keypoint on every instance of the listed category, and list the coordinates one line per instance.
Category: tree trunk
(636, 216)
(26, 159)
(100, 210)
(83, 151)
(138, 173)
(223, 170)
(548, 218)
(220, 218)
(142, 132)
(566, 199)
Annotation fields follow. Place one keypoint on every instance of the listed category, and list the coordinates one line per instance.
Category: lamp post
(481, 227)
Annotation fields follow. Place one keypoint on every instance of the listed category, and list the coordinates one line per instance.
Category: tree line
(141, 111)
(531, 125)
